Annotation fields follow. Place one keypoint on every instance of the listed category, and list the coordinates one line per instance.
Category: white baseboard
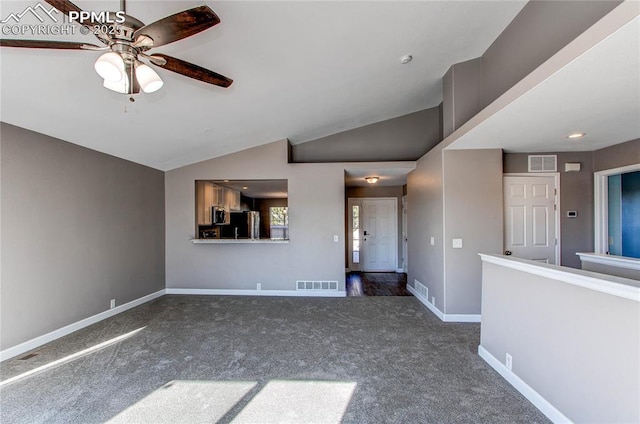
(68, 329)
(232, 292)
(534, 397)
(437, 312)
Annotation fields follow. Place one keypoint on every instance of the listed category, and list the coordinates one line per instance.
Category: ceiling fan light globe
(121, 86)
(148, 79)
(110, 67)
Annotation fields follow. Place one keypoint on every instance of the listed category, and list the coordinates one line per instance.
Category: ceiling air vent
(543, 163)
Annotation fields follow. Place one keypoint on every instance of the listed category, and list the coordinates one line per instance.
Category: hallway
(376, 284)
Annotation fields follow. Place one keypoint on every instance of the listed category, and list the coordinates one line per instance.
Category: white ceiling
(598, 94)
(390, 174)
(302, 70)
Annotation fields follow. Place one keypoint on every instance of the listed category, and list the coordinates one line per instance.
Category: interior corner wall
(316, 213)
(79, 228)
(461, 93)
(425, 196)
(540, 30)
(473, 212)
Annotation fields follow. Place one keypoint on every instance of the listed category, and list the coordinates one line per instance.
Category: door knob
(365, 233)
(507, 252)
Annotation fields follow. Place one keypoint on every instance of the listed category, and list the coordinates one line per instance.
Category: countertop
(238, 241)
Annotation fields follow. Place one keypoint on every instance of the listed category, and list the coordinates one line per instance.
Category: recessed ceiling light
(372, 180)
(576, 135)
(406, 59)
(245, 187)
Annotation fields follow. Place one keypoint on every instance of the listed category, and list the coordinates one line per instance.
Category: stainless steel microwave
(218, 215)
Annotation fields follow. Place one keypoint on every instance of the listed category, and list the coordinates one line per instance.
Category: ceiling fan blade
(65, 6)
(179, 26)
(192, 71)
(48, 44)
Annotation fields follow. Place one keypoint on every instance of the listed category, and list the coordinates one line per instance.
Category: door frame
(405, 235)
(601, 203)
(556, 183)
(351, 201)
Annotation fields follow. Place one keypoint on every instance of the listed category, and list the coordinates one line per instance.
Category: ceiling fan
(126, 42)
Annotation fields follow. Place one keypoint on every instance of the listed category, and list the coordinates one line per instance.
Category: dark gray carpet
(260, 359)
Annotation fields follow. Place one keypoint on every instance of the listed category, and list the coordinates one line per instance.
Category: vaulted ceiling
(302, 70)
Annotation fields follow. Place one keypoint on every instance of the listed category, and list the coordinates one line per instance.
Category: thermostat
(572, 214)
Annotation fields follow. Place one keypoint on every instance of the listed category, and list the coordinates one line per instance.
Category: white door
(530, 218)
(379, 247)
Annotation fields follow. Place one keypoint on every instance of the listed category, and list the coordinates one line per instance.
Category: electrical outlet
(113, 304)
(433, 241)
(335, 238)
(259, 286)
(508, 362)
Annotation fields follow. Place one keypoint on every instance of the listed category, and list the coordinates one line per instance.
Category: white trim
(68, 329)
(437, 312)
(527, 391)
(239, 292)
(400, 271)
(611, 260)
(615, 286)
(601, 206)
(558, 220)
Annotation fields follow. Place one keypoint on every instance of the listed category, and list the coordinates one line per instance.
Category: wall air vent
(543, 163)
(317, 285)
(421, 289)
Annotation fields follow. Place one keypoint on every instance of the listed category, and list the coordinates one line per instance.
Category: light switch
(335, 238)
(433, 241)
(457, 243)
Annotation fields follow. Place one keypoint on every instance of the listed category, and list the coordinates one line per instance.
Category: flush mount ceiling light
(576, 135)
(372, 180)
(406, 59)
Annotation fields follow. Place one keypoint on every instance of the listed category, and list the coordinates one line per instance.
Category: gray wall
(462, 94)
(394, 191)
(78, 228)
(454, 194)
(425, 196)
(404, 138)
(581, 354)
(473, 212)
(316, 214)
(539, 31)
(611, 270)
(576, 191)
(576, 194)
(617, 156)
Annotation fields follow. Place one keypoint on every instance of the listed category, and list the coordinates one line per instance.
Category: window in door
(355, 229)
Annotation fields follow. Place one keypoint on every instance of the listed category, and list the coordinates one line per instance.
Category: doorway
(373, 234)
(531, 217)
